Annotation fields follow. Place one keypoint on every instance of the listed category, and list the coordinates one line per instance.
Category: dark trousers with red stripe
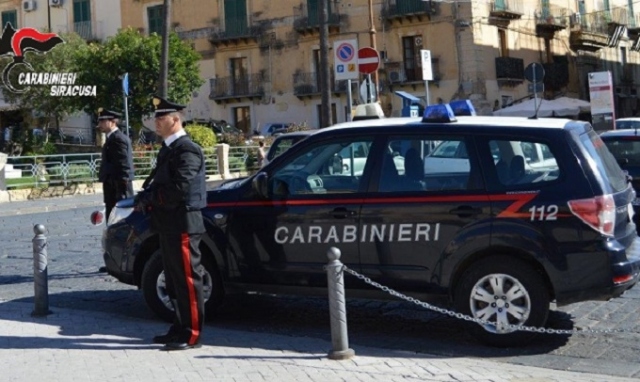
(181, 261)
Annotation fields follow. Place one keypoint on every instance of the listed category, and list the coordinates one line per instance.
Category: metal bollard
(337, 308)
(40, 281)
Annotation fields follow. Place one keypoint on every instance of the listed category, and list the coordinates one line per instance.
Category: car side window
(326, 168)
(523, 163)
(412, 166)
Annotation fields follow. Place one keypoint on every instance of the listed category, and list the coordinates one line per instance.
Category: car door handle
(342, 213)
(466, 211)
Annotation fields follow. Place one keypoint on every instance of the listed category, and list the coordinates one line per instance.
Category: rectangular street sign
(427, 73)
(345, 59)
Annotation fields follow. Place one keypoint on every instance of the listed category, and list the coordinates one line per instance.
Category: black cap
(164, 107)
(107, 114)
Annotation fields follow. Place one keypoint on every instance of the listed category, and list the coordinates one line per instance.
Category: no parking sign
(345, 58)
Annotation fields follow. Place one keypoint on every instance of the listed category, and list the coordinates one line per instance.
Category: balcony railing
(399, 9)
(235, 32)
(551, 18)
(306, 84)
(251, 86)
(506, 9)
(308, 20)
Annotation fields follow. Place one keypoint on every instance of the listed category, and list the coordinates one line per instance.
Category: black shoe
(170, 346)
(166, 338)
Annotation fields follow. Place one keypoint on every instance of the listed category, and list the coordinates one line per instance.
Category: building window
(82, 18)
(154, 18)
(10, 17)
(242, 119)
(412, 60)
(502, 41)
(235, 17)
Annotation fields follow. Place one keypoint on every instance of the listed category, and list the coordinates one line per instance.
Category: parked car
(273, 129)
(628, 123)
(283, 142)
(498, 250)
(625, 147)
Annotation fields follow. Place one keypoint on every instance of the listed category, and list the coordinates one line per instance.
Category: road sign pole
(369, 88)
(535, 89)
(426, 89)
(349, 101)
(126, 113)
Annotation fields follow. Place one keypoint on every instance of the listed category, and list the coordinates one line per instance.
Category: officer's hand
(142, 202)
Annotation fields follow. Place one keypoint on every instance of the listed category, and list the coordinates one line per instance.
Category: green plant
(201, 135)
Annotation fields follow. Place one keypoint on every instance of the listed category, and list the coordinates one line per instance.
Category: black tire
(152, 285)
(532, 298)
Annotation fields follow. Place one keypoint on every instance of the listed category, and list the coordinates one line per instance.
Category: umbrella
(559, 107)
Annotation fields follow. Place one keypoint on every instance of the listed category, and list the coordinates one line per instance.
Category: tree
(131, 52)
(61, 59)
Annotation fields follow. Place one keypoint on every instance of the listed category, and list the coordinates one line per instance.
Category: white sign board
(601, 93)
(427, 73)
(345, 57)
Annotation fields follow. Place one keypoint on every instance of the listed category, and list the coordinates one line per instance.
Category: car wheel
(503, 291)
(155, 292)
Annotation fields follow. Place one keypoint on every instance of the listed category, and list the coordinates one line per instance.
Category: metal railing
(232, 87)
(243, 159)
(64, 169)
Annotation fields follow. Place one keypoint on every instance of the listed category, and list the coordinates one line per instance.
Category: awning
(413, 100)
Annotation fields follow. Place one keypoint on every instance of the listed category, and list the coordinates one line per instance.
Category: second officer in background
(173, 195)
(116, 166)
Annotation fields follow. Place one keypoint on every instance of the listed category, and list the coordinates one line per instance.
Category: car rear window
(604, 161)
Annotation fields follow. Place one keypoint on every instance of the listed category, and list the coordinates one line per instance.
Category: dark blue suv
(498, 216)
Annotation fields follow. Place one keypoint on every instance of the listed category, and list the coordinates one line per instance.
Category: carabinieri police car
(501, 216)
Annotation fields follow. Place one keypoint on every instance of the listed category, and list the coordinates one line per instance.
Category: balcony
(501, 12)
(236, 34)
(307, 22)
(409, 10)
(556, 74)
(230, 89)
(306, 84)
(550, 19)
(594, 31)
(509, 71)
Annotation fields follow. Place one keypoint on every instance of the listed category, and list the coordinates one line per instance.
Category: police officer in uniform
(173, 196)
(116, 167)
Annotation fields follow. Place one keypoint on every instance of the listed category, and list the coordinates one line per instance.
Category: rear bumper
(624, 265)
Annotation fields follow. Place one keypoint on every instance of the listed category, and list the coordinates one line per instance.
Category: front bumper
(117, 256)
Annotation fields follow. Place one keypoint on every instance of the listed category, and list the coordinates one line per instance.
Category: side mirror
(260, 184)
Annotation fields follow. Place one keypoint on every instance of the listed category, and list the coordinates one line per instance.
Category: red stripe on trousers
(193, 303)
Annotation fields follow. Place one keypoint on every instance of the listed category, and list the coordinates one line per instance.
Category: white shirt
(111, 132)
(172, 138)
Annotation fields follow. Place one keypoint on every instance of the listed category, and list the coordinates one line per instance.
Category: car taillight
(599, 212)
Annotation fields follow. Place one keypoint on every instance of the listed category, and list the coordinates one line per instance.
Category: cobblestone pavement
(75, 283)
(73, 345)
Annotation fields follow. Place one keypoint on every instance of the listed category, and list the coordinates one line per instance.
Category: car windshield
(627, 124)
(281, 145)
(625, 148)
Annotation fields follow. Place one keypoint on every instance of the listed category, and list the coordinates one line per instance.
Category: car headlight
(119, 213)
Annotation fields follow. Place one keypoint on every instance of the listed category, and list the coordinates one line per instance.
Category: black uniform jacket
(117, 159)
(177, 191)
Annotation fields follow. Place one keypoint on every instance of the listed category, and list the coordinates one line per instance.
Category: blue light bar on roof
(438, 113)
(462, 107)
